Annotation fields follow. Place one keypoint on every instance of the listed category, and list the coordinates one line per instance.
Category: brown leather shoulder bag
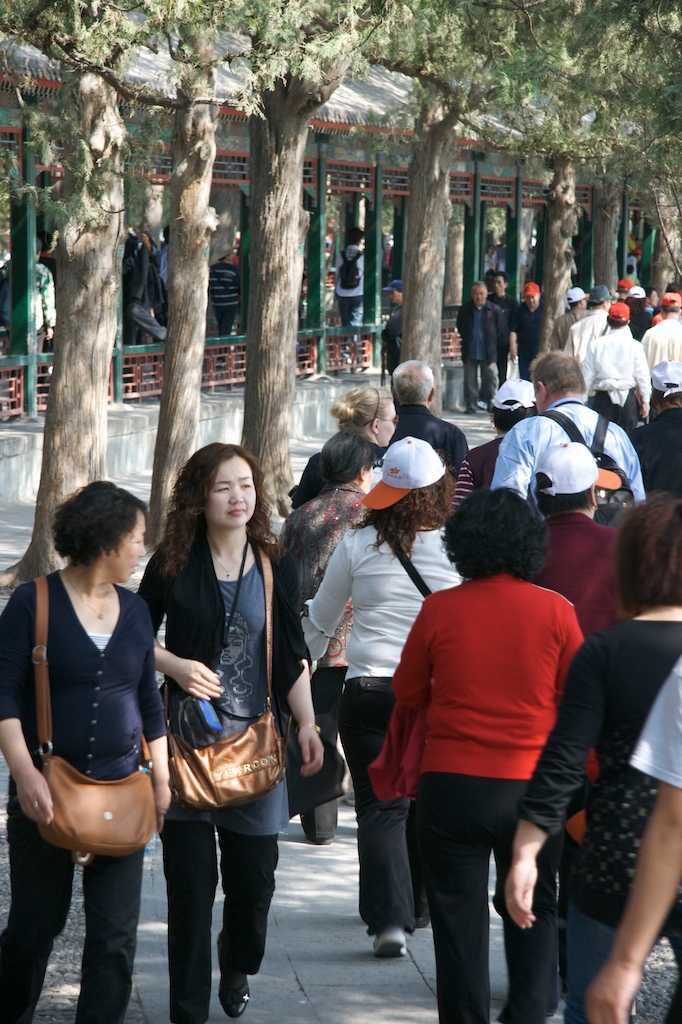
(238, 769)
(113, 818)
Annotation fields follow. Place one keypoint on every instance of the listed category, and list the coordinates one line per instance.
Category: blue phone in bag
(210, 716)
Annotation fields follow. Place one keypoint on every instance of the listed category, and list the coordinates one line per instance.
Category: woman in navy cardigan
(104, 695)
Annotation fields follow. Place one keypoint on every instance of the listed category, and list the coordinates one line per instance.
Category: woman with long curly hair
(206, 577)
(488, 661)
(408, 509)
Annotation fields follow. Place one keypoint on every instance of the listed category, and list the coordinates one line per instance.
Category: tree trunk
(561, 226)
(227, 205)
(608, 199)
(278, 225)
(454, 259)
(427, 228)
(192, 221)
(75, 436)
(666, 269)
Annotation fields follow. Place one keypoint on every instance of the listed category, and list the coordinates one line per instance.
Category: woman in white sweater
(408, 510)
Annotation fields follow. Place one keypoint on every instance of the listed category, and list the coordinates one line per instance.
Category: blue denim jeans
(351, 309)
(588, 946)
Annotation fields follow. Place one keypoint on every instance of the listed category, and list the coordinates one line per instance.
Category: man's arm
(515, 461)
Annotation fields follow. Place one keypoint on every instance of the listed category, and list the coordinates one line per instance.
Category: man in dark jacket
(659, 444)
(483, 329)
(392, 334)
(414, 389)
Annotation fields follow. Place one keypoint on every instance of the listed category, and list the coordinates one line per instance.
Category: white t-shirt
(385, 600)
(659, 749)
(351, 293)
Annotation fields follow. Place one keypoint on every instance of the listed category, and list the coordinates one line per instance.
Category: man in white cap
(577, 309)
(640, 317)
(592, 324)
(513, 402)
(559, 386)
(579, 566)
(663, 341)
(659, 444)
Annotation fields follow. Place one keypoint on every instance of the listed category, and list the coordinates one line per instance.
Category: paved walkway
(319, 967)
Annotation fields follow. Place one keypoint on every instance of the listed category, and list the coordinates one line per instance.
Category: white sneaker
(390, 942)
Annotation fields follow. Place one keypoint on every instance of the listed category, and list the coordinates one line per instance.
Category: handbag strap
(413, 573)
(41, 669)
(268, 587)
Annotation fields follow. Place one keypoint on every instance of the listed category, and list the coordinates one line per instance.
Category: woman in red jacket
(489, 659)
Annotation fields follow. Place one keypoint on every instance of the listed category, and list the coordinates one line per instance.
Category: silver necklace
(99, 612)
(228, 573)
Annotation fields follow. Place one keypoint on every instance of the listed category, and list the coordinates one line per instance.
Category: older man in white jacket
(616, 368)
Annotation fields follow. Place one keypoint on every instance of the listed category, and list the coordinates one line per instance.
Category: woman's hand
(197, 679)
(162, 799)
(34, 795)
(518, 891)
(609, 997)
(312, 750)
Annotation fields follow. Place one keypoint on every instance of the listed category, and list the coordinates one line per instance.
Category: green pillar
(352, 213)
(373, 257)
(244, 247)
(316, 246)
(624, 233)
(472, 239)
(586, 252)
(513, 236)
(648, 241)
(23, 275)
(538, 267)
(400, 215)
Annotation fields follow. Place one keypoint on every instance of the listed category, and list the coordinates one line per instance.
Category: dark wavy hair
(649, 556)
(94, 521)
(424, 508)
(493, 532)
(185, 519)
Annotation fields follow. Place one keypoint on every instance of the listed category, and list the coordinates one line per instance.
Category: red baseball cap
(671, 300)
(624, 285)
(531, 288)
(619, 313)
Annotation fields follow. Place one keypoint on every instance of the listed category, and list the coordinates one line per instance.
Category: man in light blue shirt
(559, 384)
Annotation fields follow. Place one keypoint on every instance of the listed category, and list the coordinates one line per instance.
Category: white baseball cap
(636, 292)
(571, 469)
(515, 394)
(576, 294)
(667, 377)
(408, 464)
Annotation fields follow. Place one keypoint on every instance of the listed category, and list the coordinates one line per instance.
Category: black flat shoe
(234, 1000)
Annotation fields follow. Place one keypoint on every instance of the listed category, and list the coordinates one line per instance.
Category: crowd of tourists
(493, 636)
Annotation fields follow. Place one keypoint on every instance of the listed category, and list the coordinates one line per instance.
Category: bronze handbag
(238, 769)
(112, 818)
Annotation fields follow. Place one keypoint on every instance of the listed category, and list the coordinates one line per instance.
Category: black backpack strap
(567, 423)
(599, 439)
(414, 575)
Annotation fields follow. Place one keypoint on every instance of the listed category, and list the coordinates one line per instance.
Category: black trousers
(327, 686)
(626, 416)
(136, 318)
(225, 318)
(460, 820)
(41, 879)
(502, 360)
(385, 882)
(190, 862)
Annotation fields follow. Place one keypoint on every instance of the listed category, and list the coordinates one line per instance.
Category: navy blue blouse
(102, 701)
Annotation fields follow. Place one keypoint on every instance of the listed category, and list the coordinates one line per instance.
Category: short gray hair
(412, 382)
